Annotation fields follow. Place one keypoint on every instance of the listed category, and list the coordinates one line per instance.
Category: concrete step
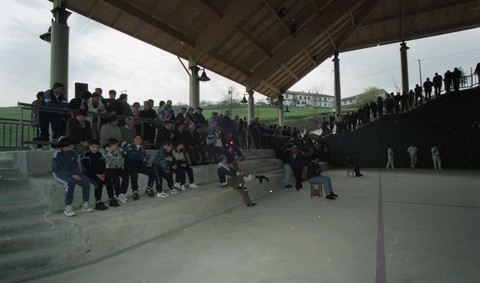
(6, 162)
(17, 241)
(10, 185)
(20, 196)
(11, 173)
(12, 209)
(27, 222)
(25, 263)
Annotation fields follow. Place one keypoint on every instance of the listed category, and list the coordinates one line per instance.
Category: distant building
(303, 99)
(348, 101)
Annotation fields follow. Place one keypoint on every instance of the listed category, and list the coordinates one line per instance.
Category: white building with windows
(302, 99)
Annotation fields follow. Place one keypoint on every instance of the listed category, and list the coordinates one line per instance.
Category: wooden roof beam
(136, 13)
(289, 71)
(229, 63)
(253, 41)
(212, 8)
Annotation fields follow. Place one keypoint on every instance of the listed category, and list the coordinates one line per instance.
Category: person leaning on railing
(54, 98)
(79, 130)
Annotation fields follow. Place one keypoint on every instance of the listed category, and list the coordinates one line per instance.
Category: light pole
(230, 98)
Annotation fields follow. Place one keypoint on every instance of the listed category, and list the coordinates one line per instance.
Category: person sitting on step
(234, 178)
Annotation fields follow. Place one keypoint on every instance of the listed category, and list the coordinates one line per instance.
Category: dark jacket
(76, 132)
(92, 163)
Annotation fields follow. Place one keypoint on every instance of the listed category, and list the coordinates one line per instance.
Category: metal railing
(19, 133)
(13, 132)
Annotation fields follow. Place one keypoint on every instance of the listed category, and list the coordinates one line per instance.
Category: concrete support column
(251, 110)
(194, 98)
(404, 66)
(338, 99)
(281, 114)
(59, 45)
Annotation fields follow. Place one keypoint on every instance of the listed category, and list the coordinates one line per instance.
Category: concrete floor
(427, 221)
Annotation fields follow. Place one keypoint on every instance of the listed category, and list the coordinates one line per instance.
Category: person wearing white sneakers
(66, 171)
(183, 168)
(164, 164)
(229, 176)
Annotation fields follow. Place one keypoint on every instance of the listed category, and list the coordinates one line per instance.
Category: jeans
(287, 173)
(325, 181)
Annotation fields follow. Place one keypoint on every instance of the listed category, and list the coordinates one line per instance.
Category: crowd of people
(112, 137)
(394, 103)
(113, 147)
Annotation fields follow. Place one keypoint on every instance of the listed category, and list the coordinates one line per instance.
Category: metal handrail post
(21, 126)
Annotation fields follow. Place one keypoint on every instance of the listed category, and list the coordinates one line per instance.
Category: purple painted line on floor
(381, 276)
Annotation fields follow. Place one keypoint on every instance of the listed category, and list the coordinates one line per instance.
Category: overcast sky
(103, 57)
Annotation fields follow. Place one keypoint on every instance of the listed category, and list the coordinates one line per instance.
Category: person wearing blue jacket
(164, 164)
(136, 162)
(56, 98)
(66, 171)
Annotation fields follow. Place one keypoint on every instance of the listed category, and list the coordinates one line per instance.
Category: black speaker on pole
(80, 88)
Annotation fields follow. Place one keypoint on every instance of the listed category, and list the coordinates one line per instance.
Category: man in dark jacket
(136, 159)
(297, 163)
(93, 165)
(79, 130)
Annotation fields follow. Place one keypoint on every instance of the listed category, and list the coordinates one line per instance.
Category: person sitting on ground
(228, 175)
(183, 167)
(164, 165)
(314, 176)
(351, 163)
(136, 158)
(66, 171)
(93, 165)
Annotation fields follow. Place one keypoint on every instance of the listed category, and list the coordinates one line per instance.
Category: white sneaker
(85, 207)
(68, 211)
(177, 186)
(248, 178)
(193, 186)
(162, 195)
(182, 188)
(173, 192)
(121, 198)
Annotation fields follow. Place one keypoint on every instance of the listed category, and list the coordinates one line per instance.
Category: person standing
(35, 115)
(390, 163)
(427, 87)
(418, 94)
(297, 163)
(412, 151)
(456, 76)
(55, 98)
(437, 161)
(437, 84)
(447, 79)
(286, 166)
